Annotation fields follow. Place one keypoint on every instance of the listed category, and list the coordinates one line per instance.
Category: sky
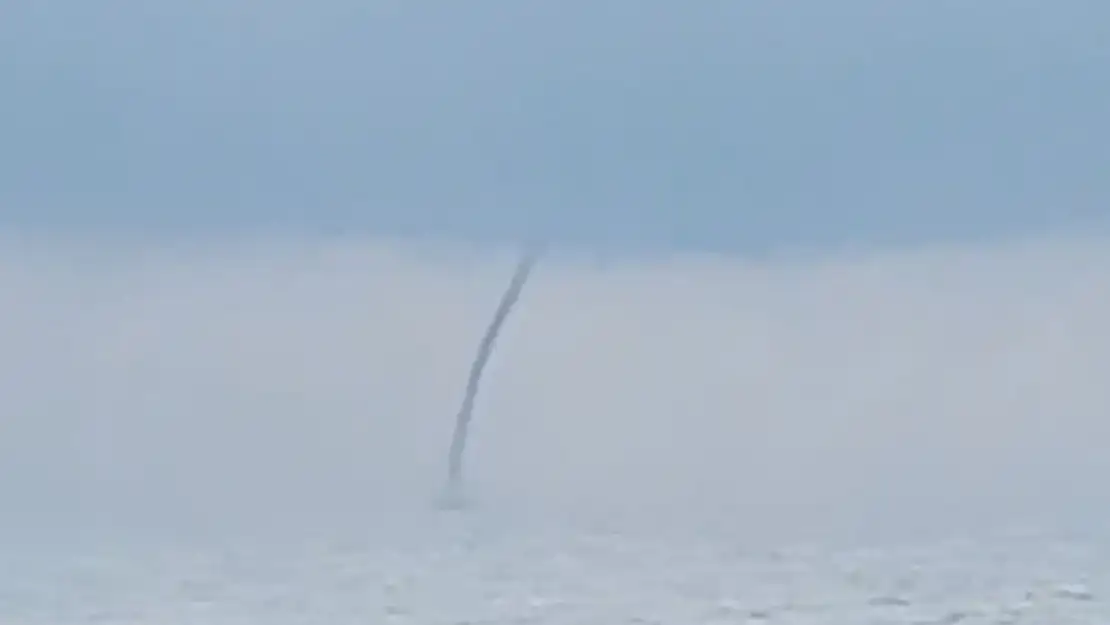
(310, 385)
(615, 124)
(822, 267)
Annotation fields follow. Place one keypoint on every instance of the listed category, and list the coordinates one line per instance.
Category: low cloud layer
(314, 384)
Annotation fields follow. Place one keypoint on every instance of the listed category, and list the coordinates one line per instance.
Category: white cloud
(315, 381)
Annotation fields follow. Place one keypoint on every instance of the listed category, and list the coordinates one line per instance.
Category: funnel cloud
(454, 495)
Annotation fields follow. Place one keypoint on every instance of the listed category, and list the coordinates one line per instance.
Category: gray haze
(717, 124)
(310, 385)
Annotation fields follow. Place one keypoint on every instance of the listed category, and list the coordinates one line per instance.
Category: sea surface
(456, 568)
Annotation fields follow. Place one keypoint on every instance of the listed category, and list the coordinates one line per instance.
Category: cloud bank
(917, 120)
(313, 383)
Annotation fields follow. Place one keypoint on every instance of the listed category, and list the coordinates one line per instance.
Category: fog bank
(312, 384)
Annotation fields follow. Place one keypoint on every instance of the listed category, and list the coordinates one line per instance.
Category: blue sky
(733, 125)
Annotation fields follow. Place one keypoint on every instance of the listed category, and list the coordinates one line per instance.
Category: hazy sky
(313, 384)
(248, 250)
(616, 123)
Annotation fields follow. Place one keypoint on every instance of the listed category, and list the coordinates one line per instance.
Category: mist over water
(310, 386)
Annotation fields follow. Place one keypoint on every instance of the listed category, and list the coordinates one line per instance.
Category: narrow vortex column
(453, 496)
